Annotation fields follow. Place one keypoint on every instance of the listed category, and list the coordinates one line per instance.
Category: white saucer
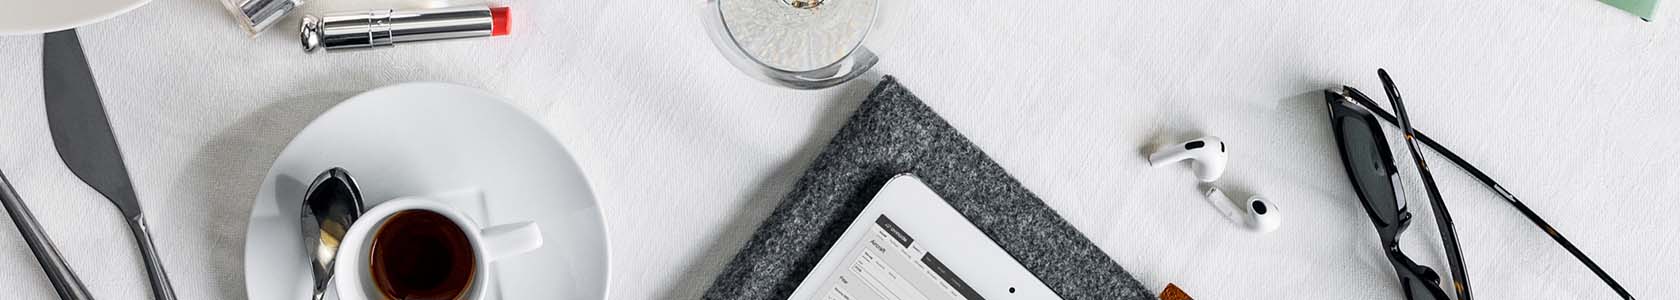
(437, 139)
(41, 16)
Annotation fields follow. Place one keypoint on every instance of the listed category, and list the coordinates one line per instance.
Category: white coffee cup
(353, 275)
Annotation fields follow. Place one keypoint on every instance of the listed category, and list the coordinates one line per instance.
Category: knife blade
(82, 135)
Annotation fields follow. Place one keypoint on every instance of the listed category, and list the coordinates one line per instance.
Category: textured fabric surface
(894, 133)
(1569, 103)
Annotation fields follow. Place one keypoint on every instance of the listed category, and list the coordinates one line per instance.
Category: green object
(1641, 8)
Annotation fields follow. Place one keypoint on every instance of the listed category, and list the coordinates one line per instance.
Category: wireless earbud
(1256, 214)
(1207, 158)
(1207, 155)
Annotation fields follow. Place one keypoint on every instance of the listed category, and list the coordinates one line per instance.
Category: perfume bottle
(257, 15)
(802, 44)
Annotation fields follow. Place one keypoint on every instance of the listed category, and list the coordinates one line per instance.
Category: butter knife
(82, 135)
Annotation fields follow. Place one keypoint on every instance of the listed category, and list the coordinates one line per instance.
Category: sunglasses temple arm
(1509, 198)
(1443, 219)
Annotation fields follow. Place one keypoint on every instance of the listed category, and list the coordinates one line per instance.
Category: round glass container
(804, 44)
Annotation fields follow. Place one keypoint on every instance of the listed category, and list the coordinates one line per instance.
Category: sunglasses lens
(1370, 170)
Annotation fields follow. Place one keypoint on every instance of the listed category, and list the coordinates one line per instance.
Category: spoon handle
(64, 280)
(321, 287)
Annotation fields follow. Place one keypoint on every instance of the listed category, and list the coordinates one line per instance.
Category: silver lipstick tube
(386, 27)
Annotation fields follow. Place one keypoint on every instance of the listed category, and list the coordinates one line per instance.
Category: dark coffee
(421, 254)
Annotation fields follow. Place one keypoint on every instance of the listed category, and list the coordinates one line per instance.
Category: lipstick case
(385, 27)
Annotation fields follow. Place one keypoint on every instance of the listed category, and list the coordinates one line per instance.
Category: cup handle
(502, 241)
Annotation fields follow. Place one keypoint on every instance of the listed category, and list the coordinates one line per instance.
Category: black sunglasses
(1370, 167)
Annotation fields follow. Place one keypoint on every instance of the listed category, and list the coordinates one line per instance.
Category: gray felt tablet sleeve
(891, 133)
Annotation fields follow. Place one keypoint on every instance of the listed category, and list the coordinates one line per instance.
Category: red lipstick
(386, 27)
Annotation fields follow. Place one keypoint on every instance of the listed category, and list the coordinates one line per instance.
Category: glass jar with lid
(802, 44)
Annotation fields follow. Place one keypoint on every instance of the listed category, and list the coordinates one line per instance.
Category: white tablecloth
(1569, 103)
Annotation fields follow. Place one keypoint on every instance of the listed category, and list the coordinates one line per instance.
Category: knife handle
(64, 281)
(160, 280)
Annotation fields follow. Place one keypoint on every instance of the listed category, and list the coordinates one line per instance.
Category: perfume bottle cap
(311, 29)
(257, 15)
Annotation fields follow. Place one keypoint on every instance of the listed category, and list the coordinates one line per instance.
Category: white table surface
(1571, 104)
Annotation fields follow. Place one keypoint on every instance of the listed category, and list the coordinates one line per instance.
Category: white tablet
(909, 244)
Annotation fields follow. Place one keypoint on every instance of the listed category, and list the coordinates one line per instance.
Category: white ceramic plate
(437, 139)
(39, 16)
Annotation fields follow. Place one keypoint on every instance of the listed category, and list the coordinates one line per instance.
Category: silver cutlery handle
(160, 280)
(64, 280)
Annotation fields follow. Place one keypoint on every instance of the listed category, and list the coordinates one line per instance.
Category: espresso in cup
(417, 248)
(421, 254)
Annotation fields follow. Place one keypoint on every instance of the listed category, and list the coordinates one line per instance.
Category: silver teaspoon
(330, 205)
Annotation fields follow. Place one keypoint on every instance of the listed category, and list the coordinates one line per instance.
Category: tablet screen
(888, 264)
